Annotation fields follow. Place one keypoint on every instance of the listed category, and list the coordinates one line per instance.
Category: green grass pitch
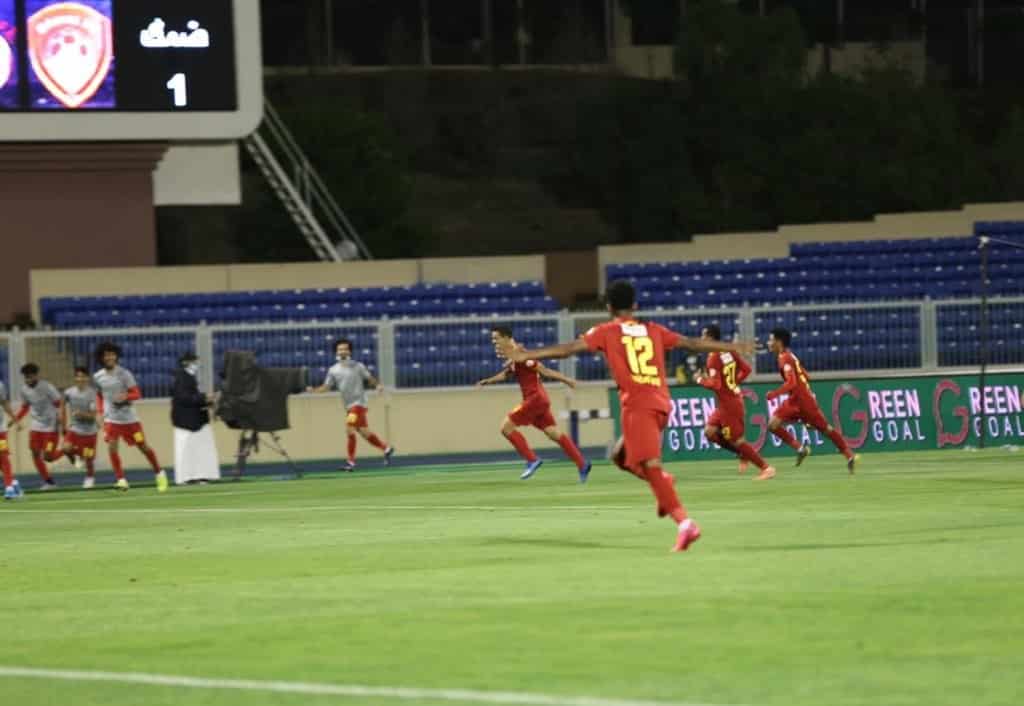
(901, 586)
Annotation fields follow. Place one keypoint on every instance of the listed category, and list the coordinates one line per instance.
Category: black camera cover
(254, 397)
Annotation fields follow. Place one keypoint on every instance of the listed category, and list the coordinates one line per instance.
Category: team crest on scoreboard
(71, 49)
(6, 61)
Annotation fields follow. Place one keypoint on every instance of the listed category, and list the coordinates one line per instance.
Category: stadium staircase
(302, 192)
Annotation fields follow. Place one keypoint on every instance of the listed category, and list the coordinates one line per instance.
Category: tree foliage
(746, 140)
(363, 165)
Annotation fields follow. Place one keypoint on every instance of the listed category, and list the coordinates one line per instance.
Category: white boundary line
(317, 508)
(351, 690)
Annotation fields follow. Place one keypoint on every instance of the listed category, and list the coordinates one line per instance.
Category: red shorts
(730, 419)
(356, 417)
(533, 413)
(3, 442)
(641, 433)
(45, 441)
(799, 411)
(130, 434)
(83, 445)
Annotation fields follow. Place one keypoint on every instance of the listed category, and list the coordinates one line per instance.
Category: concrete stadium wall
(415, 422)
(770, 244)
(658, 61)
(853, 58)
(73, 204)
(465, 270)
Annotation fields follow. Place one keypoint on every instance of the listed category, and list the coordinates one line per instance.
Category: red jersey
(798, 384)
(528, 378)
(725, 373)
(635, 352)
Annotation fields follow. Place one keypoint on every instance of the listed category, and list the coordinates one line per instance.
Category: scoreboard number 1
(179, 86)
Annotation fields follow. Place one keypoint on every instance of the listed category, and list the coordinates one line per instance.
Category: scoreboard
(129, 69)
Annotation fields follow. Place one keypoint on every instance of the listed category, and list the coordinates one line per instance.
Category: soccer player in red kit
(535, 409)
(725, 372)
(12, 489)
(800, 405)
(635, 352)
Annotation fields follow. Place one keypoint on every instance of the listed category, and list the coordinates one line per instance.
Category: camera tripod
(249, 443)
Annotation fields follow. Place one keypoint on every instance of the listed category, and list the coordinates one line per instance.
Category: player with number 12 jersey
(635, 353)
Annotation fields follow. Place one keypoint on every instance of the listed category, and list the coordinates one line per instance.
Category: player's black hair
(714, 331)
(502, 330)
(106, 347)
(30, 369)
(339, 342)
(782, 335)
(187, 358)
(81, 369)
(620, 295)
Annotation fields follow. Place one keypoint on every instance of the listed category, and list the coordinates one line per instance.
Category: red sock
(522, 447)
(5, 466)
(352, 448)
(787, 438)
(90, 468)
(840, 442)
(375, 440)
(572, 451)
(115, 462)
(41, 467)
(668, 501)
(151, 457)
(747, 451)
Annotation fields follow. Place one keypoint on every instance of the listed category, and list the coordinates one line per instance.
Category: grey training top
(112, 383)
(77, 401)
(42, 401)
(349, 378)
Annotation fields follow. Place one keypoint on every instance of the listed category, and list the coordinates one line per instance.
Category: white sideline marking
(286, 687)
(318, 508)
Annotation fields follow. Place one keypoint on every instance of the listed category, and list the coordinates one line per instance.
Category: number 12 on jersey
(179, 86)
(640, 353)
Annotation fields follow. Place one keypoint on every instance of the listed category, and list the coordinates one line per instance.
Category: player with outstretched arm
(351, 378)
(535, 409)
(635, 352)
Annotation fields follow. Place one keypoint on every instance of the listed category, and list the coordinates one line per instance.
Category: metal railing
(833, 340)
(302, 191)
